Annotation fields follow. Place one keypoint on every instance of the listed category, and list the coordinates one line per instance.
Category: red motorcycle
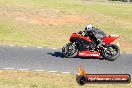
(83, 46)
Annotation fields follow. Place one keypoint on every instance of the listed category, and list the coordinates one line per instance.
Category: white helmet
(89, 27)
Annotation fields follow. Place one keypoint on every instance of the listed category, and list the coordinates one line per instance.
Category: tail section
(110, 39)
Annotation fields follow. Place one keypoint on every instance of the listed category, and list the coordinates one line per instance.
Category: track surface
(51, 60)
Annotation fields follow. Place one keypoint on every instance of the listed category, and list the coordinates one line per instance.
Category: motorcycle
(83, 46)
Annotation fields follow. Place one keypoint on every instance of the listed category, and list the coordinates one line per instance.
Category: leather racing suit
(95, 35)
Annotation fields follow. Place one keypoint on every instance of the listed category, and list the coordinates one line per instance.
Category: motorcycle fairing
(75, 35)
(82, 42)
(89, 54)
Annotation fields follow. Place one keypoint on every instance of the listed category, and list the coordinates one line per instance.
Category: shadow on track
(56, 54)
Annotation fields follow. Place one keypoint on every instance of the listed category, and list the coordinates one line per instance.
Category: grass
(49, 23)
(27, 79)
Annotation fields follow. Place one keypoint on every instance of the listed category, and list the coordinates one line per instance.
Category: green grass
(43, 22)
(27, 79)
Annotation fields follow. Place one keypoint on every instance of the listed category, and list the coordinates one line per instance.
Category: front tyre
(70, 50)
(111, 53)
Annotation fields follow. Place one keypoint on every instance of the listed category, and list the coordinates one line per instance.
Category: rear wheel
(111, 53)
(70, 50)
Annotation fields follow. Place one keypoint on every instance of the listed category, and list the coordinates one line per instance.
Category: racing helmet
(89, 27)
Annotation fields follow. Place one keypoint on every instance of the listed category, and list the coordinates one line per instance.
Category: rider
(95, 34)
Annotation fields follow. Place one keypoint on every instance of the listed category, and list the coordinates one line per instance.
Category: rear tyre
(111, 53)
(70, 50)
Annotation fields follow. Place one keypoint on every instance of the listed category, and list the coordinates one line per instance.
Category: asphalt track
(47, 59)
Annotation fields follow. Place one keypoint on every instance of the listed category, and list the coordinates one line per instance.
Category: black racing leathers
(96, 35)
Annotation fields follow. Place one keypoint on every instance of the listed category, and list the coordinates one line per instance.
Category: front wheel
(70, 50)
(111, 53)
